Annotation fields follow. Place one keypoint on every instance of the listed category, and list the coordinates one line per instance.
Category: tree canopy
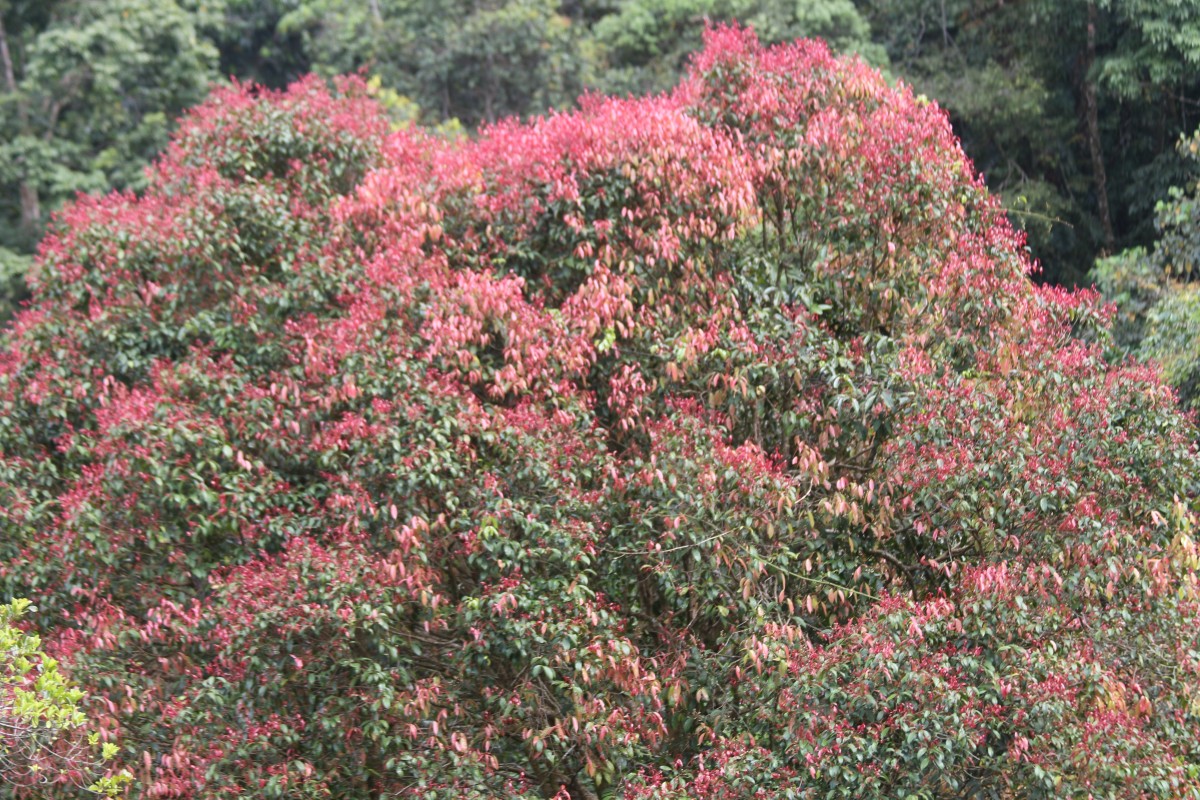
(1069, 107)
(713, 444)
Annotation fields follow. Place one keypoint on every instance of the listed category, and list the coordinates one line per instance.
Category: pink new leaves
(710, 444)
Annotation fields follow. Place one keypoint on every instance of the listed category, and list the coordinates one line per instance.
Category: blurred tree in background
(1157, 291)
(646, 43)
(1071, 108)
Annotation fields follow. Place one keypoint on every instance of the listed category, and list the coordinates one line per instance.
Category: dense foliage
(88, 90)
(710, 445)
(1069, 107)
(43, 733)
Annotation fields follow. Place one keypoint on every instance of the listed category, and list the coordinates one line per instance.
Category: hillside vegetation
(708, 445)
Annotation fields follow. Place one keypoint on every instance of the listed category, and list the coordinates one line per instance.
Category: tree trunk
(1092, 120)
(10, 78)
(31, 209)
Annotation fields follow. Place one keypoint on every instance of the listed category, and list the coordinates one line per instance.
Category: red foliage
(712, 444)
